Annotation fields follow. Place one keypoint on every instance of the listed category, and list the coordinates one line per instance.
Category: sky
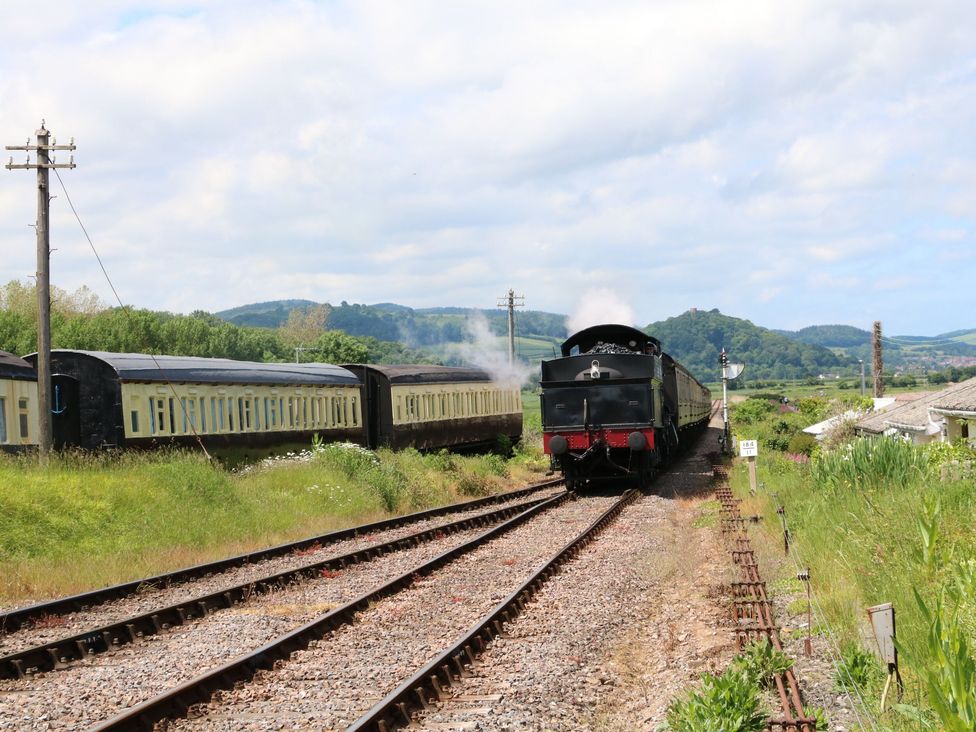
(791, 163)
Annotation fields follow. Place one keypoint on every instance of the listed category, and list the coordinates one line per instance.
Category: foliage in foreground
(84, 521)
(885, 521)
(730, 702)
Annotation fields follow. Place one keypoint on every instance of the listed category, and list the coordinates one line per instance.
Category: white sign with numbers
(748, 448)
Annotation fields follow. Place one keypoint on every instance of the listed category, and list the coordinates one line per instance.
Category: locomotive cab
(615, 406)
(602, 405)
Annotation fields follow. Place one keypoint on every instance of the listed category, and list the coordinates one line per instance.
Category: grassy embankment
(878, 521)
(87, 521)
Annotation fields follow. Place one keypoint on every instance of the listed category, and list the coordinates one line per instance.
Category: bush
(858, 670)
(726, 703)
(761, 662)
(752, 410)
(802, 444)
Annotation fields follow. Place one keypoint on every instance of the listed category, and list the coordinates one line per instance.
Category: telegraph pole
(44, 162)
(511, 301)
(878, 365)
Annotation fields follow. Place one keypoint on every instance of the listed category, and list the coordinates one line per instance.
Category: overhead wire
(128, 315)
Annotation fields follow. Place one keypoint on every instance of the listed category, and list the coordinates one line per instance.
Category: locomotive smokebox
(636, 441)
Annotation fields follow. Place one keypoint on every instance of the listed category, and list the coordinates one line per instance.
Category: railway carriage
(430, 407)
(616, 405)
(18, 403)
(125, 399)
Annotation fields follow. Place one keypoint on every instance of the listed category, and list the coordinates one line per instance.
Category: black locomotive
(616, 406)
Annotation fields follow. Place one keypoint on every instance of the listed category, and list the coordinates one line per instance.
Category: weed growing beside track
(86, 521)
(884, 521)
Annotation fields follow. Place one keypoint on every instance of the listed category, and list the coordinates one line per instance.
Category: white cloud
(437, 154)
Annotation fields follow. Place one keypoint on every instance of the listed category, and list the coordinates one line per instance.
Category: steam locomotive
(616, 406)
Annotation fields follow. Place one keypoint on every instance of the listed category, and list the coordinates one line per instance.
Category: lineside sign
(748, 448)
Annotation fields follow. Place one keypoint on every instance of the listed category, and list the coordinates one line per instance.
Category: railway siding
(331, 684)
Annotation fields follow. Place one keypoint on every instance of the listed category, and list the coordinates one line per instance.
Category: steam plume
(489, 352)
(598, 306)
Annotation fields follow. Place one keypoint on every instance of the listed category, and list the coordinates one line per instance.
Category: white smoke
(489, 352)
(598, 306)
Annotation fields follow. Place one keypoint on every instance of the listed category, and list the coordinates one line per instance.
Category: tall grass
(83, 521)
(882, 521)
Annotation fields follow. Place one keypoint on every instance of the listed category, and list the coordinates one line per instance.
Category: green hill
(428, 328)
(697, 337)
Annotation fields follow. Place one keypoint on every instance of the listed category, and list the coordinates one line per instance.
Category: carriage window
(191, 407)
(244, 407)
(257, 414)
(3, 420)
(135, 422)
(161, 414)
(24, 421)
(355, 413)
(203, 414)
(221, 410)
(271, 408)
(230, 413)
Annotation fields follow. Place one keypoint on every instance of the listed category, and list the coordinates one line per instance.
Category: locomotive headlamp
(636, 441)
(558, 445)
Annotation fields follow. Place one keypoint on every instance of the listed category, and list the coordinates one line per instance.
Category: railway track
(13, 620)
(365, 621)
(365, 664)
(114, 631)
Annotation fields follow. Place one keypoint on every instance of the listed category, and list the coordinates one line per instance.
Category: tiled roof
(908, 413)
(958, 398)
(914, 415)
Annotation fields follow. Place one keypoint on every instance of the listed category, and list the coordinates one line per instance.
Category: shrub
(752, 410)
(802, 444)
(726, 703)
(858, 670)
(761, 662)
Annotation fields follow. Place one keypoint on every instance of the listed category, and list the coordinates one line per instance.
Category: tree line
(80, 321)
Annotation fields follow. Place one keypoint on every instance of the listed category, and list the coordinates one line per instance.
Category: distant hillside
(696, 338)
(831, 336)
(430, 328)
(263, 314)
(906, 353)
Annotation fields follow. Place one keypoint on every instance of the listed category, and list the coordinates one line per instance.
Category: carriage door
(65, 415)
(373, 416)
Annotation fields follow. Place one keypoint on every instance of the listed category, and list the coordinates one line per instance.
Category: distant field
(969, 337)
(830, 390)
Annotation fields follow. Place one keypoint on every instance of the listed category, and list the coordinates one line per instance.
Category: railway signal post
(43, 162)
(729, 371)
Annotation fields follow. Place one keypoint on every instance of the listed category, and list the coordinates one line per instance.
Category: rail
(60, 653)
(175, 702)
(15, 619)
(415, 693)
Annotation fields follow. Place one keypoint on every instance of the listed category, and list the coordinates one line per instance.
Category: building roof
(914, 416)
(146, 368)
(960, 397)
(14, 367)
(422, 373)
